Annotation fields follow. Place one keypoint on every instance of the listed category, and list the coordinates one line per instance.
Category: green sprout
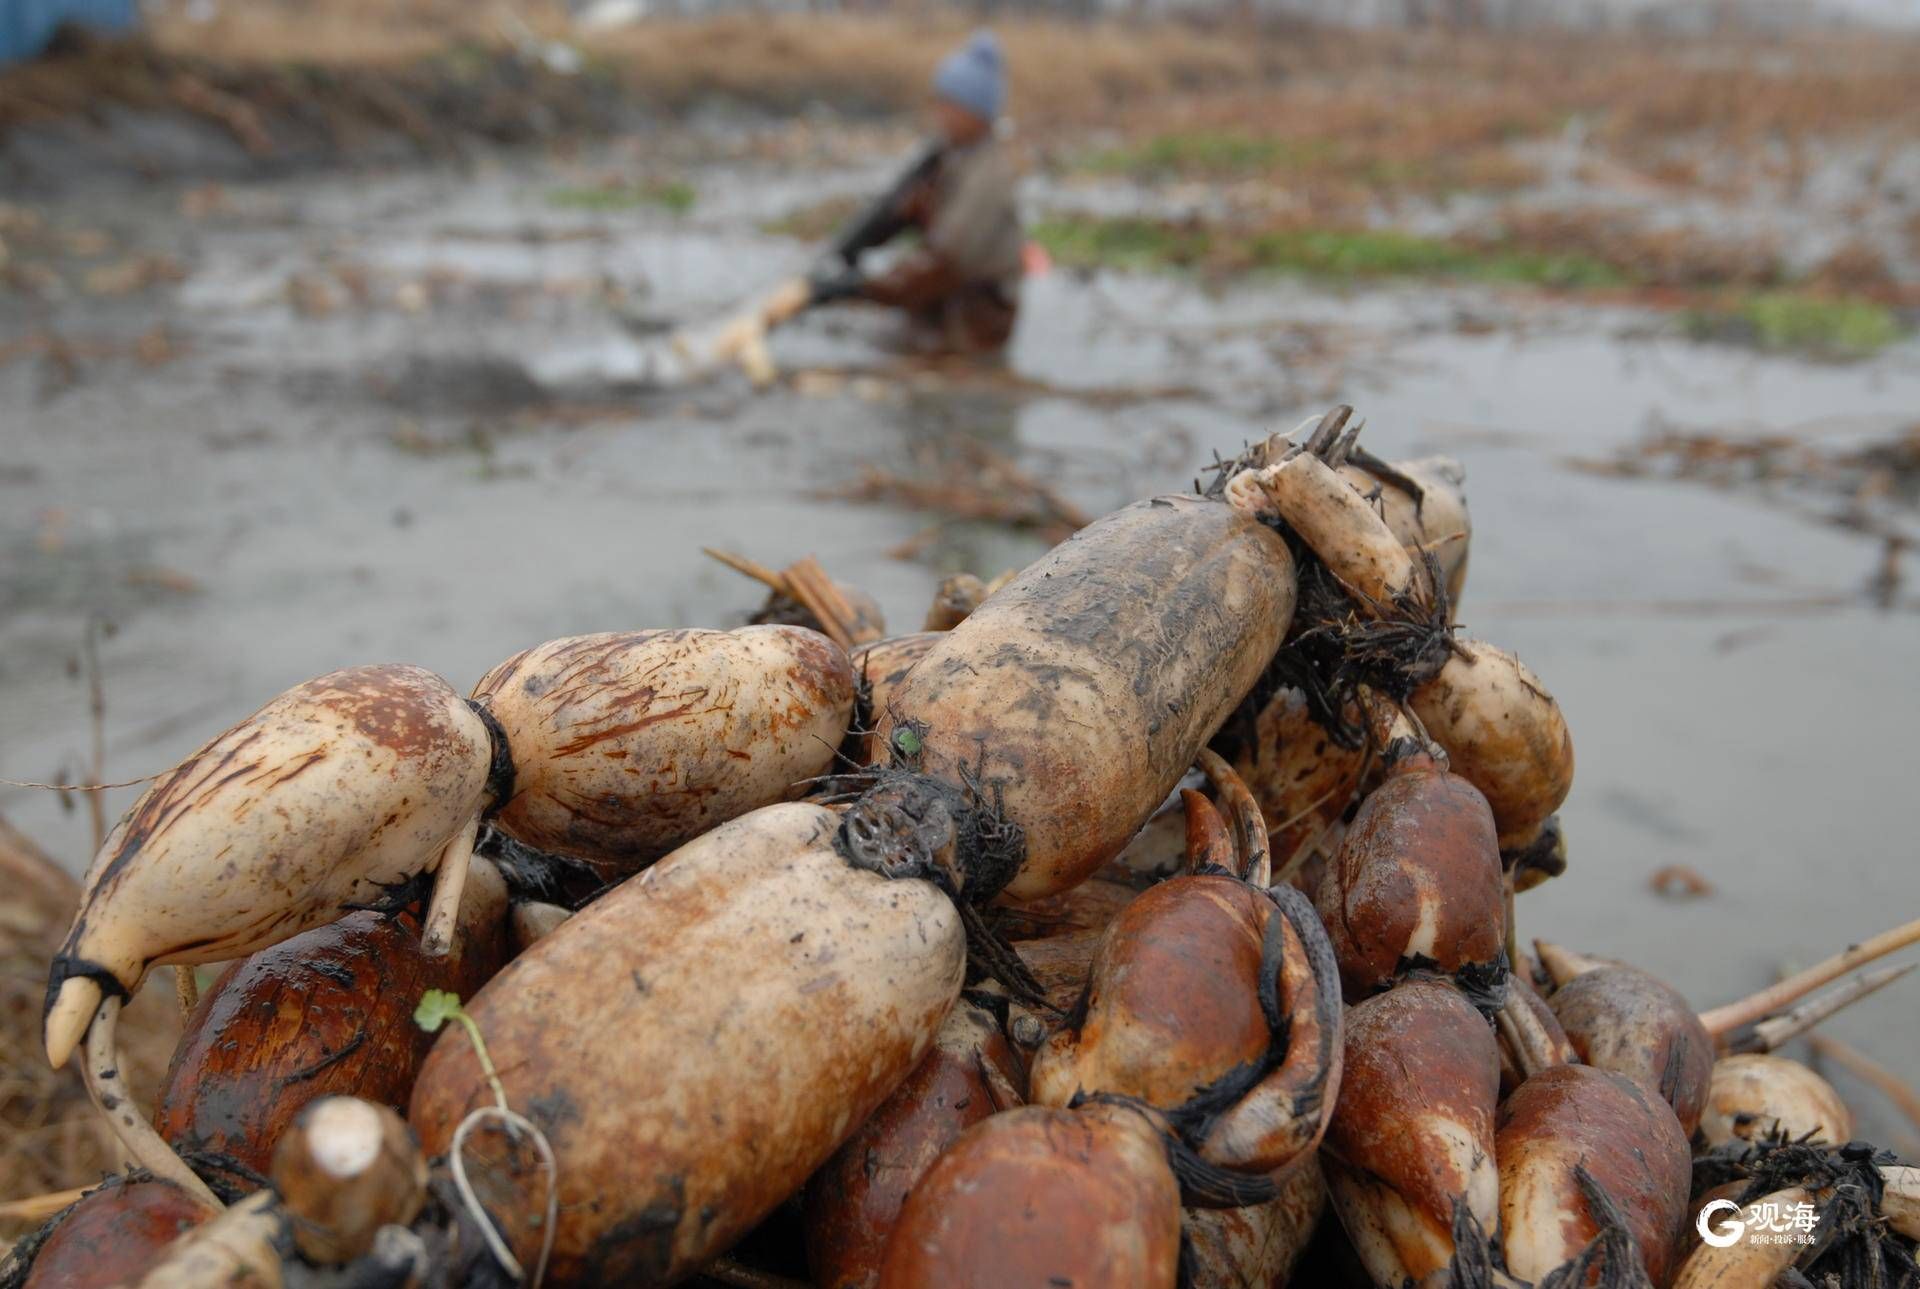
(437, 1007)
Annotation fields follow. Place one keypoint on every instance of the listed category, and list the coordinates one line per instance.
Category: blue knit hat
(974, 76)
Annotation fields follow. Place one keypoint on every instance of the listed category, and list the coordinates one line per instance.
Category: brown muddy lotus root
(1080, 692)
(1530, 1035)
(1209, 844)
(1043, 1196)
(1206, 984)
(700, 1039)
(1250, 856)
(854, 1201)
(628, 744)
(1437, 523)
(1628, 1141)
(1503, 733)
(1631, 1022)
(328, 1012)
(879, 669)
(1541, 860)
(1417, 885)
(1255, 1247)
(345, 1169)
(1412, 1135)
(1061, 965)
(1753, 1096)
(534, 920)
(239, 1249)
(1338, 524)
(112, 1235)
(1174, 1001)
(1310, 873)
(1301, 777)
(1056, 936)
(337, 789)
(1089, 906)
(958, 596)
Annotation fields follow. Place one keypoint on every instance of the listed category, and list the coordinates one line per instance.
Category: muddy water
(360, 470)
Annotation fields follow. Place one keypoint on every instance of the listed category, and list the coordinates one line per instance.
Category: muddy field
(260, 428)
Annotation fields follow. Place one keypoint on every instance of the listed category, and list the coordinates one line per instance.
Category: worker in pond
(962, 281)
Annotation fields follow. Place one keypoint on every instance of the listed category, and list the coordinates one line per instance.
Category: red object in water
(1035, 260)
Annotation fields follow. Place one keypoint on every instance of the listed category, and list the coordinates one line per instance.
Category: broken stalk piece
(1778, 1030)
(443, 910)
(806, 583)
(1725, 1020)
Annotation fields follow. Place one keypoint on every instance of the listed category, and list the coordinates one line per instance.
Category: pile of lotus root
(1147, 922)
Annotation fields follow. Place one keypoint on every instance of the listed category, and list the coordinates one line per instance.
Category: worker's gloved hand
(834, 282)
